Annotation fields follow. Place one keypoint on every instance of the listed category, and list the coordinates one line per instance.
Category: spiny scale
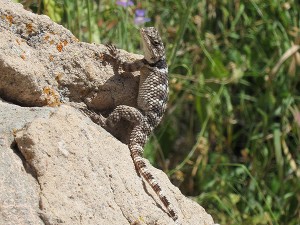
(152, 100)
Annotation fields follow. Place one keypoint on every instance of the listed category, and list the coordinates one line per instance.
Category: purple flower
(140, 17)
(125, 3)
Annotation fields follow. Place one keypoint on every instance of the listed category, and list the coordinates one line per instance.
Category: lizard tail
(139, 162)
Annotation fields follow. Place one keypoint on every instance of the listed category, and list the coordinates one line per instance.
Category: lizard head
(152, 44)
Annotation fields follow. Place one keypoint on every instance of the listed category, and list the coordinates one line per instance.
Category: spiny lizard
(152, 101)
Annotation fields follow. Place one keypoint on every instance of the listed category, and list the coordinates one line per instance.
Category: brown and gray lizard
(151, 102)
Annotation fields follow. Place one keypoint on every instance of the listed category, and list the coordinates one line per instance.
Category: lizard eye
(155, 42)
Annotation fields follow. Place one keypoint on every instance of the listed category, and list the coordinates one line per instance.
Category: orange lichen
(59, 47)
(65, 42)
(51, 97)
(29, 28)
(46, 38)
(9, 19)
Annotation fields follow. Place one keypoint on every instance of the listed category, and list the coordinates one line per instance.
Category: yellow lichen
(51, 96)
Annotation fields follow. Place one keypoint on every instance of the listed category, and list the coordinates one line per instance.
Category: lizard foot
(96, 118)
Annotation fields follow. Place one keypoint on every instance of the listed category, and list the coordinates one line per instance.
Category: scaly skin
(152, 100)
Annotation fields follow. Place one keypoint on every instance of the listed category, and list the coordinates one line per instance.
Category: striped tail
(136, 150)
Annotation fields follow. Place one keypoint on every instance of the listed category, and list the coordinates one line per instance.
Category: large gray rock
(56, 165)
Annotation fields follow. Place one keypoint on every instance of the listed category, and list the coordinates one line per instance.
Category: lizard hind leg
(128, 113)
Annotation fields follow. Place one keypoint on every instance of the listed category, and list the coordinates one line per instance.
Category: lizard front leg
(114, 57)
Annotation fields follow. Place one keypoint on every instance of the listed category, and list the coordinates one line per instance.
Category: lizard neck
(160, 64)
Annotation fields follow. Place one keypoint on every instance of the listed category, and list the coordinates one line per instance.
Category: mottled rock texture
(56, 165)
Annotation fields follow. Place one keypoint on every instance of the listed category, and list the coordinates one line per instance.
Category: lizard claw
(112, 56)
(112, 50)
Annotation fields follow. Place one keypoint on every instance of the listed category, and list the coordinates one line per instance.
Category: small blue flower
(140, 17)
(125, 3)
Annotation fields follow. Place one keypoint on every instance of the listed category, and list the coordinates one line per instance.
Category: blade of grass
(243, 167)
(90, 32)
(278, 151)
(201, 133)
(182, 27)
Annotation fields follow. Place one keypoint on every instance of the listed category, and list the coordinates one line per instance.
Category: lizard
(151, 103)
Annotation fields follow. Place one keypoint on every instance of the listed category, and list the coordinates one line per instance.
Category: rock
(42, 63)
(19, 190)
(56, 165)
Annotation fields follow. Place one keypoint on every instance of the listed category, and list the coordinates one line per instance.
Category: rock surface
(56, 165)
(64, 68)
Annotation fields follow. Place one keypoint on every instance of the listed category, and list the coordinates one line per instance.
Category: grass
(231, 134)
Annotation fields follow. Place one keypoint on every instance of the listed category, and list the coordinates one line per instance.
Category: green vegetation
(231, 135)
